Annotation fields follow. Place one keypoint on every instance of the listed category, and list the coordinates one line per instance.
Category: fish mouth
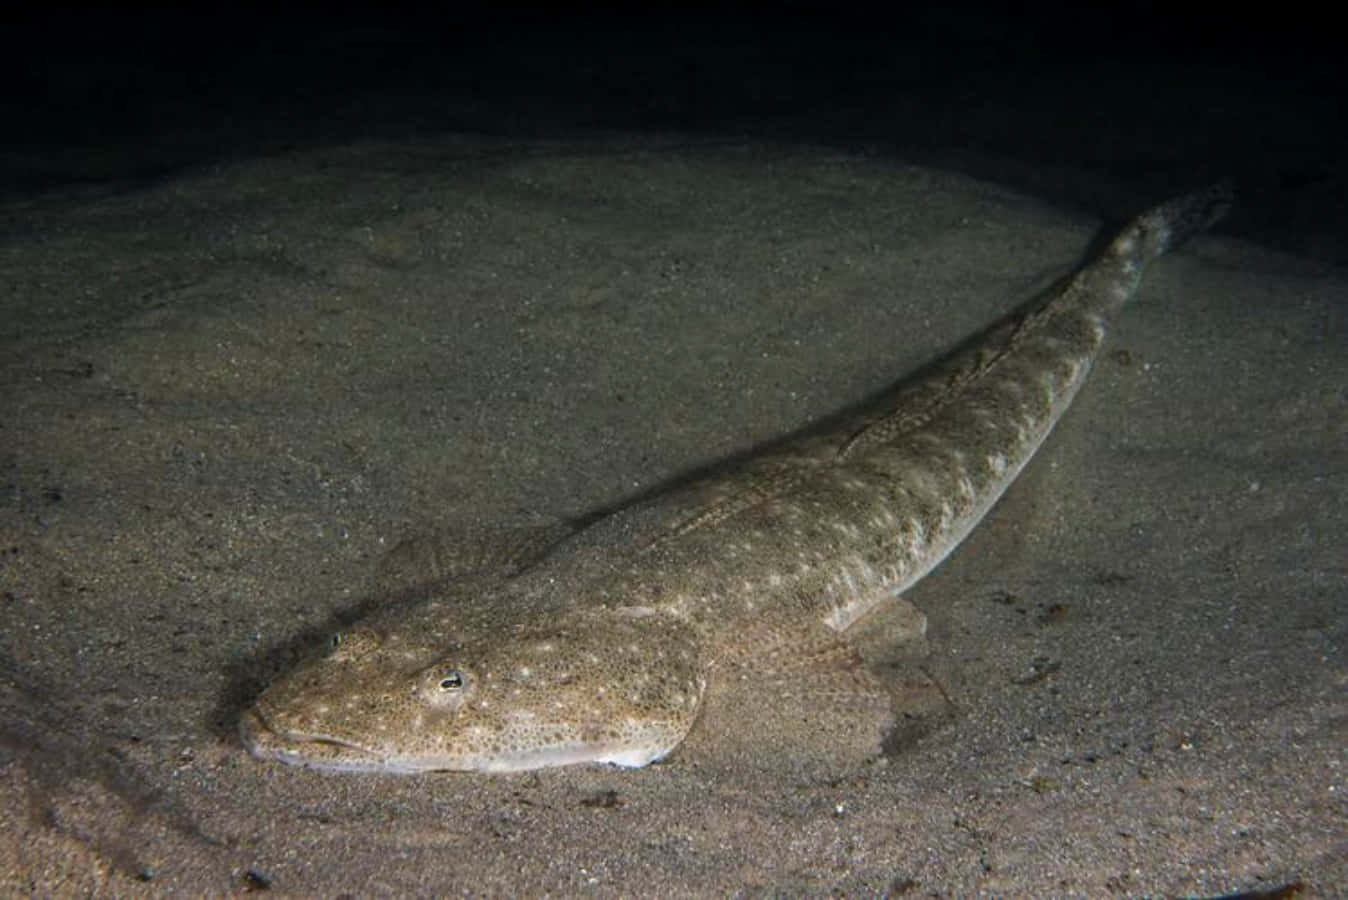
(324, 753)
(316, 751)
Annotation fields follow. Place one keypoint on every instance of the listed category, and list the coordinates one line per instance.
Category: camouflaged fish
(731, 592)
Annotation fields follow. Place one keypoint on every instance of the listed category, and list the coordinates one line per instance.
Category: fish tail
(1169, 225)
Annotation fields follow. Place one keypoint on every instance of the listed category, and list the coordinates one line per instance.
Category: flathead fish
(612, 643)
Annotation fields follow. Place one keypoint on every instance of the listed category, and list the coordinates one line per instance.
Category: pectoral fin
(808, 703)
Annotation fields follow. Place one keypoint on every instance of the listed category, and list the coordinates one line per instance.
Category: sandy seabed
(225, 395)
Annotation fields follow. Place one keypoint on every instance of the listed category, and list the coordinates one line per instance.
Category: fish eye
(444, 687)
(355, 642)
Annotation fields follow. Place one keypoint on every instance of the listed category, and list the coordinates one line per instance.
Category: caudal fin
(1165, 227)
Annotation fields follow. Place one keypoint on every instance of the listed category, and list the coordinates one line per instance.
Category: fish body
(611, 645)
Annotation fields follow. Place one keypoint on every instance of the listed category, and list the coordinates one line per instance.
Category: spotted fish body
(610, 645)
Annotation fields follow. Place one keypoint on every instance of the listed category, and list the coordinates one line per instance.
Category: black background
(1104, 109)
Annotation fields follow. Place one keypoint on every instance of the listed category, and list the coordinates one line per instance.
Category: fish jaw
(338, 757)
(309, 751)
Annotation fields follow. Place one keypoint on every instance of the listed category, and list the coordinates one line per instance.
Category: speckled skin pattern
(603, 648)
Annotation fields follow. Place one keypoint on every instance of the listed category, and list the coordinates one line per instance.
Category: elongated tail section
(938, 452)
(1111, 279)
(1174, 222)
(1166, 227)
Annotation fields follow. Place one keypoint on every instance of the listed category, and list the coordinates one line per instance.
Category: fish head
(617, 686)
